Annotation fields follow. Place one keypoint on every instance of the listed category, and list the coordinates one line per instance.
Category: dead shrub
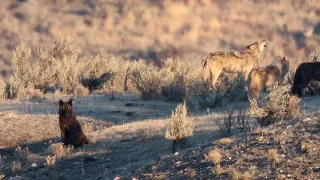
(149, 81)
(273, 156)
(230, 87)
(180, 127)
(182, 79)
(144, 134)
(59, 150)
(224, 141)
(215, 156)
(87, 128)
(278, 105)
(227, 124)
(233, 174)
(16, 167)
(218, 170)
(81, 91)
(51, 161)
(3, 85)
(22, 154)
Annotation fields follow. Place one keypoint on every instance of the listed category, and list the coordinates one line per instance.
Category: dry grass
(16, 167)
(218, 170)
(144, 26)
(233, 174)
(180, 126)
(277, 106)
(51, 161)
(273, 156)
(59, 150)
(224, 141)
(215, 156)
(144, 134)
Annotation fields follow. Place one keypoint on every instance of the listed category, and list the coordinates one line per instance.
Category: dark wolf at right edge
(304, 73)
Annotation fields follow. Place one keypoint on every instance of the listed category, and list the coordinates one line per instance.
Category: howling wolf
(243, 62)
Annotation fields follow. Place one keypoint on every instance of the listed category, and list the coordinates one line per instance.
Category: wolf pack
(257, 78)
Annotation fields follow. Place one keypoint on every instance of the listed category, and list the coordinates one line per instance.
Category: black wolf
(304, 73)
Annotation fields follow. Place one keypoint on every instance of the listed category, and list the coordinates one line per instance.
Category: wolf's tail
(206, 70)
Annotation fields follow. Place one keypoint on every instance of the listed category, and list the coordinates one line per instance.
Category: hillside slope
(297, 145)
(133, 30)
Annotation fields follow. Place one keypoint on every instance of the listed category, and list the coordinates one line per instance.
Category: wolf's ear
(252, 46)
(70, 102)
(60, 102)
(285, 58)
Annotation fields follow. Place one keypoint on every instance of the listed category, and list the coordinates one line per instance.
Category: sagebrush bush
(61, 69)
(230, 87)
(149, 80)
(3, 86)
(183, 78)
(278, 105)
(180, 126)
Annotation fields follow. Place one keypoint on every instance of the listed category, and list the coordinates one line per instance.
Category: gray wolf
(265, 77)
(216, 63)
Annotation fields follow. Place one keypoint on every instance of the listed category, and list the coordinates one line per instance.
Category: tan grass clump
(217, 170)
(3, 86)
(59, 150)
(87, 128)
(149, 80)
(180, 126)
(16, 167)
(51, 161)
(22, 154)
(234, 174)
(273, 156)
(224, 141)
(215, 156)
(144, 134)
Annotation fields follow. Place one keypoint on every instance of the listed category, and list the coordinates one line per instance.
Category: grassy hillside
(84, 50)
(131, 30)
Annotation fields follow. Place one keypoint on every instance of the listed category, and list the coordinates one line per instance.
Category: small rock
(34, 165)
(176, 153)
(306, 119)
(117, 178)
(281, 171)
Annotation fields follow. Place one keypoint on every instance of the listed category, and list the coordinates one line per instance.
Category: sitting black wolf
(304, 73)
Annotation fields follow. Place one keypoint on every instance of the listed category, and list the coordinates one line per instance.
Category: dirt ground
(117, 126)
(126, 135)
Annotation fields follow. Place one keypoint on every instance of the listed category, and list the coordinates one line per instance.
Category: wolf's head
(258, 46)
(65, 108)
